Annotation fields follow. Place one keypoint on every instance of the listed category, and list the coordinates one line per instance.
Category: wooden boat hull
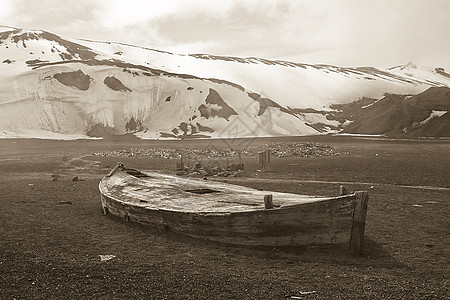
(325, 221)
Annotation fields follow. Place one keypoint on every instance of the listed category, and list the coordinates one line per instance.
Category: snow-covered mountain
(66, 88)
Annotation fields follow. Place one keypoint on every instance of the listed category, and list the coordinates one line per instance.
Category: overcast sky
(381, 33)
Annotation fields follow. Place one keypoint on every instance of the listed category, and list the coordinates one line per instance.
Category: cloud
(345, 32)
(119, 14)
(221, 27)
(7, 9)
(48, 15)
(381, 33)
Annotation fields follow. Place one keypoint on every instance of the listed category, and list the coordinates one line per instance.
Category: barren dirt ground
(50, 250)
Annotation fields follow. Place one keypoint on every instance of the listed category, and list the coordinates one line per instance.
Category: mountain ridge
(74, 87)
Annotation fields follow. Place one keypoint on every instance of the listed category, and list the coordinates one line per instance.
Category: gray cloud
(347, 32)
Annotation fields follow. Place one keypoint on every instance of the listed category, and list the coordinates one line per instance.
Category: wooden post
(266, 165)
(126, 218)
(263, 156)
(239, 154)
(180, 165)
(259, 160)
(264, 159)
(268, 201)
(240, 165)
(260, 156)
(359, 222)
(343, 190)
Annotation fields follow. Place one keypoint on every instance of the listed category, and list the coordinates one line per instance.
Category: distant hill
(425, 114)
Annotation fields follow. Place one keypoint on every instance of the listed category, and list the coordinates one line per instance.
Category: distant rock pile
(166, 153)
(199, 170)
(297, 149)
(279, 150)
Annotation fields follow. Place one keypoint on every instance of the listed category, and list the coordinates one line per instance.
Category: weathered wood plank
(237, 215)
(309, 224)
(268, 201)
(343, 190)
(359, 222)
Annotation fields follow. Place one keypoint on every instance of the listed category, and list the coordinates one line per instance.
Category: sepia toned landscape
(53, 232)
(233, 149)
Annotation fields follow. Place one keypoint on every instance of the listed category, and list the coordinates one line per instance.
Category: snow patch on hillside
(157, 104)
(425, 74)
(44, 135)
(370, 104)
(433, 114)
(6, 28)
(297, 86)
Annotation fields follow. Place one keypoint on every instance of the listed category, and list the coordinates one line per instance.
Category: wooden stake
(180, 165)
(265, 160)
(260, 160)
(268, 201)
(343, 190)
(359, 222)
(263, 156)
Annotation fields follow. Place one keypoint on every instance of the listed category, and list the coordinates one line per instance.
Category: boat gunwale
(314, 201)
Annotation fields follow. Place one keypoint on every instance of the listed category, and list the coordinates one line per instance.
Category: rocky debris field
(297, 149)
(199, 170)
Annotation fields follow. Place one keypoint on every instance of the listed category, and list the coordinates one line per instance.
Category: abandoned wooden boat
(230, 213)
